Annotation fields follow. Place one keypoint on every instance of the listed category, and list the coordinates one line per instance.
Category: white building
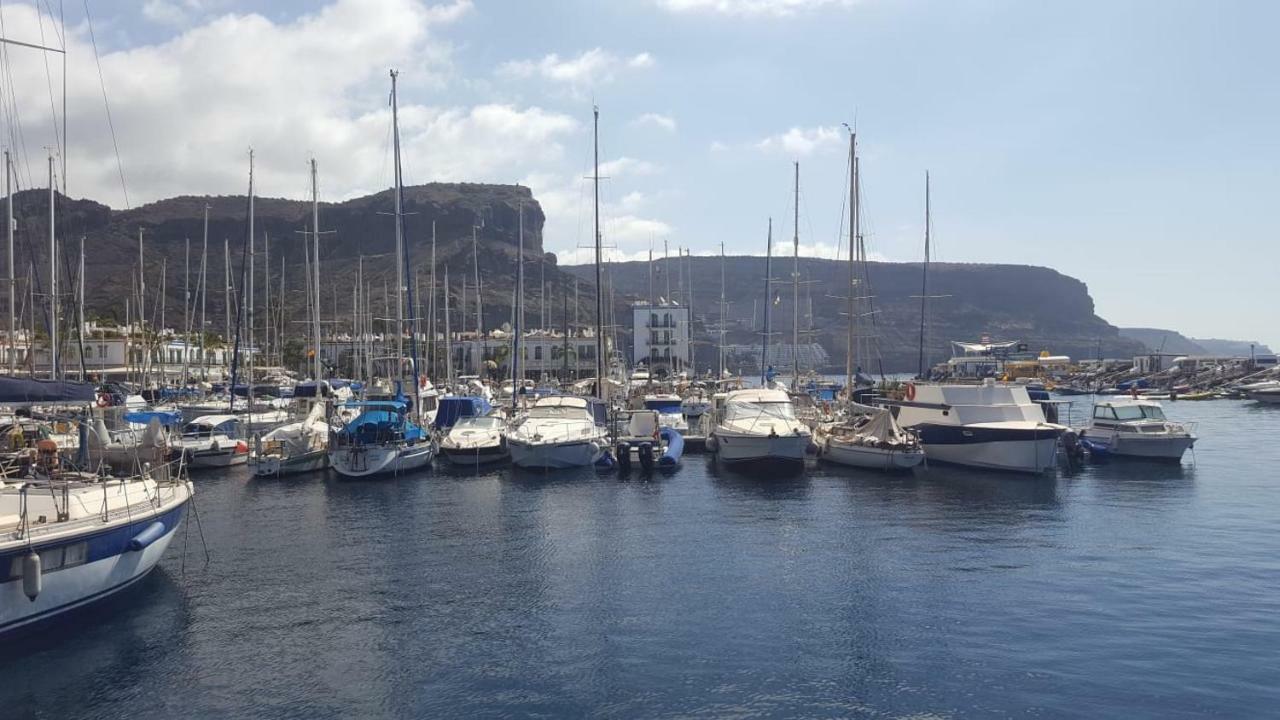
(660, 336)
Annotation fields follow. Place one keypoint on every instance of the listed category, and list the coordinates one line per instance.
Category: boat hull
(370, 461)
(1013, 450)
(276, 466)
(774, 450)
(1169, 448)
(484, 455)
(577, 453)
(225, 457)
(109, 568)
(869, 457)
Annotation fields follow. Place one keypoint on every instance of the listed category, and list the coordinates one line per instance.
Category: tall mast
(851, 347)
(693, 356)
(204, 294)
(768, 300)
(475, 263)
(432, 348)
(720, 365)
(795, 290)
(315, 270)
(249, 301)
(186, 307)
(924, 276)
(448, 334)
(226, 286)
(80, 310)
(266, 296)
(53, 283)
(13, 293)
(517, 378)
(395, 132)
(602, 389)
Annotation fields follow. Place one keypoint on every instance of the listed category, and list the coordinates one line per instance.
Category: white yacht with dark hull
(1136, 428)
(989, 426)
(758, 429)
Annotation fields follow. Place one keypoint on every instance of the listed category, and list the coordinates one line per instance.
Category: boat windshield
(481, 423)
(782, 410)
(1138, 412)
(556, 413)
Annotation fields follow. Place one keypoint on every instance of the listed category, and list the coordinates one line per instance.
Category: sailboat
(387, 436)
(303, 446)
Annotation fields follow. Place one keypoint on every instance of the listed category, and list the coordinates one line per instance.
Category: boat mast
(517, 380)
(475, 263)
(768, 300)
(249, 301)
(602, 390)
(720, 364)
(13, 294)
(395, 132)
(80, 311)
(226, 287)
(432, 347)
(448, 334)
(795, 290)
(204, 294)
(53, 283)
(315, 270)
(851, 347)
(924, 277)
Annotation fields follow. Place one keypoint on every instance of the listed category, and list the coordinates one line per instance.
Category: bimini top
(145, 418)
(453, 409)
(14, 391)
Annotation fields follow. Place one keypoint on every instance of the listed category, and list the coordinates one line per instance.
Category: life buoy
(104, 400)
(911, 392)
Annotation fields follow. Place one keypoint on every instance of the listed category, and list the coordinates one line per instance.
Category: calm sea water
(1122, 590)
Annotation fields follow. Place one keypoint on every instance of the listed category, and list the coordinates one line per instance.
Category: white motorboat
(1135, 428)
(74, 538)
(990, 426)
(213, 441)
(870, 439)
(1266, 391)
(758, 427)
(559, 431)
(293, 448)
(381, 440)
(670, 409)
(475, 441)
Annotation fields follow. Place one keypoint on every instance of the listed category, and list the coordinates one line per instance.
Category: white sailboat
(386, 437)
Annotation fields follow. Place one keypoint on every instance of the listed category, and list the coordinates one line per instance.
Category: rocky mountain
(1166, 341)
(356, 229)
(1038, 306)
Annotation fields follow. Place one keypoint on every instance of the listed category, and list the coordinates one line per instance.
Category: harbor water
(1117, 590)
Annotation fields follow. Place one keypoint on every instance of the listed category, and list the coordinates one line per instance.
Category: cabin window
(1104, 412)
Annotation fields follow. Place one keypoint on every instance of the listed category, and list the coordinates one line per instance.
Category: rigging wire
(106, 104)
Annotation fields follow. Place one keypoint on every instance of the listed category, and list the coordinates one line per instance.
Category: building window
(537, 352)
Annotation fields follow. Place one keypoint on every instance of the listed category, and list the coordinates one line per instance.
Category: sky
(1131, 145)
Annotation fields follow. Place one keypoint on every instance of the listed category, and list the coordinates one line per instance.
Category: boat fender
(152, 533)
(32, 580)
(911, 392)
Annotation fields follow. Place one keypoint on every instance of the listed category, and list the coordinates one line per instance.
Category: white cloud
(751, 8)
(614, 169)
(658, 120)
(186, 110)
(803, 141)
(590, 69)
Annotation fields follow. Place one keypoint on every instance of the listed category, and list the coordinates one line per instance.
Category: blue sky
(1130, 145)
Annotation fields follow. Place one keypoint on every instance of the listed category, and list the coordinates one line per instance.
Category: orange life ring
(911, 392)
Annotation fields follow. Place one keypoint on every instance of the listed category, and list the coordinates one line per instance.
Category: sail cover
(14, 391)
